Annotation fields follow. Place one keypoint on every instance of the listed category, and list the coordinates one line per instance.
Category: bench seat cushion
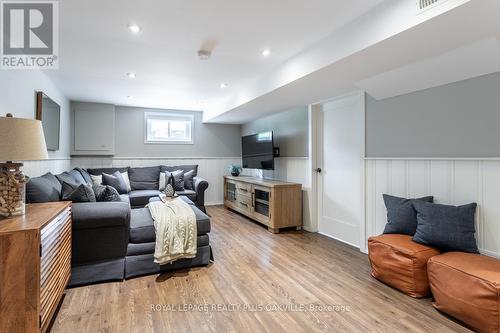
(401, 263)
(467, 286)
(142, 229)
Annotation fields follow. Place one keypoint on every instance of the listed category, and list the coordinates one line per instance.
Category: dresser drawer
(244, 202)
(55, 263)
(244, 188)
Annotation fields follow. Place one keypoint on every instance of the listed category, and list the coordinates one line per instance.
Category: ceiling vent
(427, 4)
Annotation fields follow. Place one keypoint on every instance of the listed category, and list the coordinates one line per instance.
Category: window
(168, 128)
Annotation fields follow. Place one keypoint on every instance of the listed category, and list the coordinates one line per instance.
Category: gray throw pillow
(105, 193)
(447, 228)
(401, 216)
(188, 180)
(78, 193)
(115, 180)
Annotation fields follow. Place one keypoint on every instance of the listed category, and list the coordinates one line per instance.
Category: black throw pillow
(77, 193)
(448, 228)
(115, 180)
(401, 216)
(105, 193)
(188, 180)
(176, 179)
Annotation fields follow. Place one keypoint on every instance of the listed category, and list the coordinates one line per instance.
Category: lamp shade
(21, 140)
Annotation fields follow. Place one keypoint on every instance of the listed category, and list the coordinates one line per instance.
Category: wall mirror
(49, 112)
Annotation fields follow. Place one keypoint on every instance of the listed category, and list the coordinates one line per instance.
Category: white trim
(51, 159)
(152, 158)
(339, 240)
(433, 158)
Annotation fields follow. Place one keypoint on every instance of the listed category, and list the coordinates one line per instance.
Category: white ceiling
(97, 50)
(387, 46)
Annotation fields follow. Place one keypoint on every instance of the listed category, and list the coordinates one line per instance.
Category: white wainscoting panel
(212, 169)
(54, 165)
(450, 181)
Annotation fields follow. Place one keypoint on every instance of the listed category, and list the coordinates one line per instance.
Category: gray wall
(17, 96)
(290, 131)
(210, 140)
(456, 120)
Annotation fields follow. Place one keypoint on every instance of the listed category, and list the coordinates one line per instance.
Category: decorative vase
(12, 189)
(235, 173)
(169, 191)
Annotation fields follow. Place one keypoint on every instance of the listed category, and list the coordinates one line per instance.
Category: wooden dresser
(273, 203)
(35, 266)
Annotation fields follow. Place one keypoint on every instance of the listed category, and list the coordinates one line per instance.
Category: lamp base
(12, 189)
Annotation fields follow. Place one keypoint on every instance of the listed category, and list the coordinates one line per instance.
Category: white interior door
(341, 180)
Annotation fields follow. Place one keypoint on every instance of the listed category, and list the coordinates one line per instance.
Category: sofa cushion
(185, 168)
(467, 286)
(448, 228)
(115, 180)
(401, 216)
(140, 198)
(109, 171)
(45, 188)
(147, 178)
(142, 229)
(93, 215)
(401, 263)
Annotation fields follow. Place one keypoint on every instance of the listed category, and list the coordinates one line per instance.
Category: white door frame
(316, 158)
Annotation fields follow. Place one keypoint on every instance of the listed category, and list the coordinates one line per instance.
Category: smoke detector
(204, 54)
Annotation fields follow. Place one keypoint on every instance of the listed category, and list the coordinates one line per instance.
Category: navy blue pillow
(401, 216)
(448, 228)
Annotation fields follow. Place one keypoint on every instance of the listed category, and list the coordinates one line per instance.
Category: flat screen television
(257, 151)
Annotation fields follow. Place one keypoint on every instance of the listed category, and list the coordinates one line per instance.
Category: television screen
(257, 151)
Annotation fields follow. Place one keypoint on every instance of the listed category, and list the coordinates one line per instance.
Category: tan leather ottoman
(467, 286)
(401, 263)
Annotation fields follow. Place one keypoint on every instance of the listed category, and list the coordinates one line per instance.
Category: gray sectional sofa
(115, 240)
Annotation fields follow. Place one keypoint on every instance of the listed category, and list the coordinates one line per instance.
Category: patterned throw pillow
(77, 193)
(177, 180)
(105, 193)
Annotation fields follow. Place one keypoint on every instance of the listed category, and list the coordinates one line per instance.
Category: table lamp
(20, 140)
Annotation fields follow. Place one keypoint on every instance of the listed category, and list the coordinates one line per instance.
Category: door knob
(318, 170)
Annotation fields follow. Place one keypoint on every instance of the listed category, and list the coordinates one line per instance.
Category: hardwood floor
(254, 267)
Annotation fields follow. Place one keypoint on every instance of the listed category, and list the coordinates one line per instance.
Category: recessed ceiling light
(131, 75)
(130, 96)
(266, 52)
(134, 28)
(223, 85)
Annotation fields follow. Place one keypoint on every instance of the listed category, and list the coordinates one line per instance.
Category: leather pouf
(401, 263)
(467, 286)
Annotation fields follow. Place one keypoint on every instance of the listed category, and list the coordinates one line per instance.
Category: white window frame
(168, 116)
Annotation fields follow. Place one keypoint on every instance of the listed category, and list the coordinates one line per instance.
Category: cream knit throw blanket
(175, 226)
